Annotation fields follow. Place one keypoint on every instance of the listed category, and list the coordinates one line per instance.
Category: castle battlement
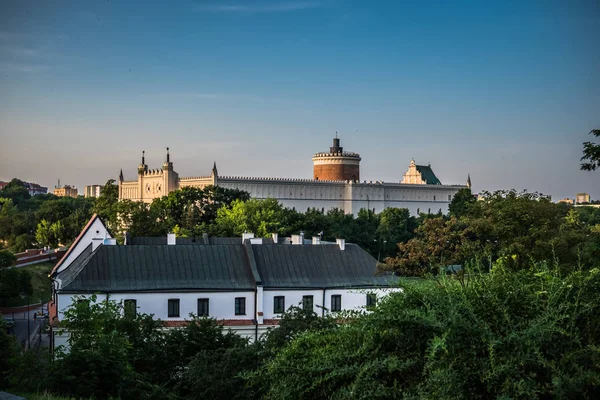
(153, 172)
(335, 184)
(282, 180)
(194, 178)
(338, 154)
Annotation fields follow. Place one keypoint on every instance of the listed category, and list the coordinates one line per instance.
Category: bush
(7, 258)
(528, 334)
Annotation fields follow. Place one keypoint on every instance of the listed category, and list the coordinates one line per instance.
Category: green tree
(262, 217)
(138, 219)
(16, 191)
(9, 349)
(7, 258)
(527, 334)
(591, 153)
(460, 202)
(23, 242)
(49, 234)
(106, 205)
(14, 282)
(395, 226)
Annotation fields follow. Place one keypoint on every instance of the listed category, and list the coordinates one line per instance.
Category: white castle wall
(302, 194)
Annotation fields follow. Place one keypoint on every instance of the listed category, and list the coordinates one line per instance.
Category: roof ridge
(76, 242)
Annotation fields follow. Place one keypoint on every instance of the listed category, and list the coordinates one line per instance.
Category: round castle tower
(337, 165)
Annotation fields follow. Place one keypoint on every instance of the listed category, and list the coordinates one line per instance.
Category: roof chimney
(297, 239)
(171, 239)
(341, 243)
(247, 235)
(275, 238)
(316, 240)
(127, 238)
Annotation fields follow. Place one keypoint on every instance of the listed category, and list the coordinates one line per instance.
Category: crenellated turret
(336, 165)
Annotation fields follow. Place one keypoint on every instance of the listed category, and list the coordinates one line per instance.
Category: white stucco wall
(96, 231)
(221, 304)
(301, 194)
(352, 299)
(292, 298)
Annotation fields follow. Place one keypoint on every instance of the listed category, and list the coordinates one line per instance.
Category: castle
(335, 184)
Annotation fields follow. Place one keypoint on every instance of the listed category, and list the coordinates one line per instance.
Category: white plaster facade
(222, 305)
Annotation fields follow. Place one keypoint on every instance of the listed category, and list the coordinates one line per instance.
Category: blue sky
(505, 91)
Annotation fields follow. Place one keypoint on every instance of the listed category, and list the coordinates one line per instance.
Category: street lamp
(23, 294)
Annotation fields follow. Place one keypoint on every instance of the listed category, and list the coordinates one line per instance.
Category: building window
(278, 304)
(371, 299)
(336, 302)
(433, 198)
(129, 308)
(307, 303)
(449, 197)
(203, 307)
(240, 306)
(173, 308)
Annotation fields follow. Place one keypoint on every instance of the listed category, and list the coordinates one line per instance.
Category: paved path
(8, 396)
(20, 329)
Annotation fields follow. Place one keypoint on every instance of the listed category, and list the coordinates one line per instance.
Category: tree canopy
(507, 225)
(591, 153)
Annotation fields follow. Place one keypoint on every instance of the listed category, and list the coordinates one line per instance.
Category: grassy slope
(41, 285)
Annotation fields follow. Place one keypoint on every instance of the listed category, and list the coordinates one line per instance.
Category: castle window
(433, 198)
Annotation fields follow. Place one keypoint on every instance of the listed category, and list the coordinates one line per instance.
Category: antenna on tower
(168, 158)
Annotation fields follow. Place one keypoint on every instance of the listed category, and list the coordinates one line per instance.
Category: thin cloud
(18, 67)
(208, 96)
(21, 51)
(273, 7)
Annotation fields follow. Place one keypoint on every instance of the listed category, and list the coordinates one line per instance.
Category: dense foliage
(42, 220)
(591, 153)
(47, 220)
(505, 225)
(527, 334)
(532, 333)
(14, 282)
